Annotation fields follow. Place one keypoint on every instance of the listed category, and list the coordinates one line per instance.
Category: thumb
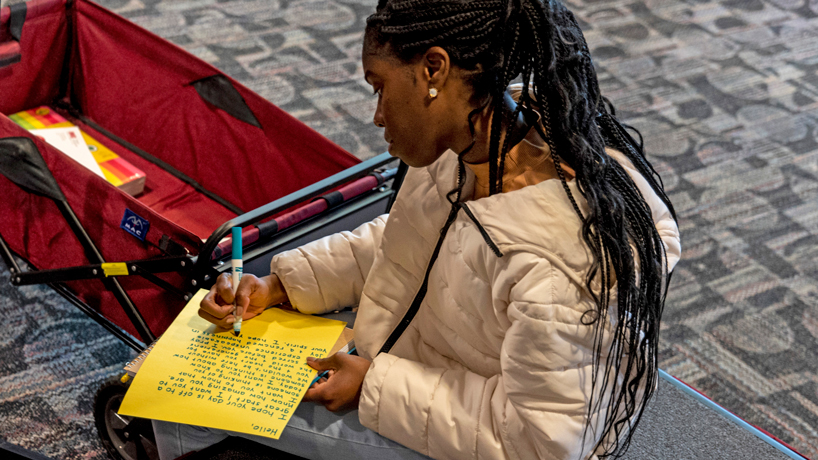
(242, 304)
(322, 364)
(244, 291)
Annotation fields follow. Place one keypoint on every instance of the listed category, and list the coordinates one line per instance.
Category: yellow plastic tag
(115, 269)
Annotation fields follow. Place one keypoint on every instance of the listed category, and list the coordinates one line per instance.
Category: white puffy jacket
(496, 363)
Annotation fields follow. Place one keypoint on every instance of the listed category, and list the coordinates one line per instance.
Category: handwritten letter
(250, 384)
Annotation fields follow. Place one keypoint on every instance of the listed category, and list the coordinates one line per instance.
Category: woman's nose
(378, 119)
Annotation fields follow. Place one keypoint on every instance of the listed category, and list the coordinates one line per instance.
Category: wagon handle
(316, 206)
(202, 262)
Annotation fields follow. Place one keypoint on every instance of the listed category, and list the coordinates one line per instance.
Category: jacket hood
(546, 206)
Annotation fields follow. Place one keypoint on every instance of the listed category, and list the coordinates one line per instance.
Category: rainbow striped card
(115, 169)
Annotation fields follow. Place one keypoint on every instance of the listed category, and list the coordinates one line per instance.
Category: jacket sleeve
(328, 274)
(535, 408)
(665, 224)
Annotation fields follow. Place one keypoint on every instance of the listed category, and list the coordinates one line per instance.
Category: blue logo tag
(134, 224)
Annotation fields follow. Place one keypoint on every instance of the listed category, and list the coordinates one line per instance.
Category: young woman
(509, 304)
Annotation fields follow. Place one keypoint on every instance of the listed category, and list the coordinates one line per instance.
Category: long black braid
(540, 42)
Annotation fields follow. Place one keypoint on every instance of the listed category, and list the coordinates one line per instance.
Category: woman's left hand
(341, 389)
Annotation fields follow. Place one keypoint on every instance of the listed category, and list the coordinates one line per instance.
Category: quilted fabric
(496, 364)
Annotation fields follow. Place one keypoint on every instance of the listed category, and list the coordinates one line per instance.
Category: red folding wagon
(214, 155)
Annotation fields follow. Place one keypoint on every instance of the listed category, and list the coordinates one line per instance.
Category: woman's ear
(437, 67)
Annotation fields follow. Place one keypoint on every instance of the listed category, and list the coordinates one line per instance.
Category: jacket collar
(538, 215)
(444, 174)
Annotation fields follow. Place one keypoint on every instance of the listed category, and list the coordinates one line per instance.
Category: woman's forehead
(377, 65)
(372, 68)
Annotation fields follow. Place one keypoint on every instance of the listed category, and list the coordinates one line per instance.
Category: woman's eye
(378, 92)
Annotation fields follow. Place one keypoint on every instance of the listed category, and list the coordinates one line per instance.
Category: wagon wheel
(125, 438)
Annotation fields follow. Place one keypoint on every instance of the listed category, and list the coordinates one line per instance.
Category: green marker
(238, 270)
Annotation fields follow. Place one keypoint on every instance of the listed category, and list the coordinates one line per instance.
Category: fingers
(315, 393)
(248, 287)
(324, 364)
(215, 307)
(342, 387)
(321, 391)
(226, 322)
(252, 296)
(224, 288)
(326, 393)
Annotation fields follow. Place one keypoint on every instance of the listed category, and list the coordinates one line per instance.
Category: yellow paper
(249, 384)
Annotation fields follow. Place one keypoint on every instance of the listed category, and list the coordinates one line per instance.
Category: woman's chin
(409, 156)
(398, 153)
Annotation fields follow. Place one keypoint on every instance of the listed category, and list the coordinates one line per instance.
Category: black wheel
(125, 438)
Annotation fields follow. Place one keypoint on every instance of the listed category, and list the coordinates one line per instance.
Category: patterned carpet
(726, 96)
(53, 359)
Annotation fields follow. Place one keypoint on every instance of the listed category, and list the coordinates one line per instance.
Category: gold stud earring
(432, 93)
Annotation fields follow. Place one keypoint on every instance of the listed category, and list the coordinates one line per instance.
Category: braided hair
(539, 41)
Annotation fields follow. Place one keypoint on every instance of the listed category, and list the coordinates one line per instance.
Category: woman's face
(417, 127)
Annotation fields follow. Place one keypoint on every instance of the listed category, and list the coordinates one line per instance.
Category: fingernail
(310, 358)
(230, 320)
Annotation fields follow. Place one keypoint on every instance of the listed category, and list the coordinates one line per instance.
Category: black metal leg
(111, 284)
(8, 257)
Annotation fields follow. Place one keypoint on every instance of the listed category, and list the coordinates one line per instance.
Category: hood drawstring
(421, 294)
(457, 205)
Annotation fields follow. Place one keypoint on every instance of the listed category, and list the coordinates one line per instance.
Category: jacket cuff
(371, 390)
(398, 398)
(669, 232)
(298, 279)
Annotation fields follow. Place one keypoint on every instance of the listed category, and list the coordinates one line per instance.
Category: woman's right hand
(253, 296)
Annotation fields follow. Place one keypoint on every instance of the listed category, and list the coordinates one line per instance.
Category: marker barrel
(238, 271)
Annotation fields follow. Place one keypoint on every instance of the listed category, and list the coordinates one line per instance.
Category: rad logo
(134, 224)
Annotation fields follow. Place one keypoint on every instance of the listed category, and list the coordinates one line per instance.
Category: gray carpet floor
(726, 96)
(676, 426)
